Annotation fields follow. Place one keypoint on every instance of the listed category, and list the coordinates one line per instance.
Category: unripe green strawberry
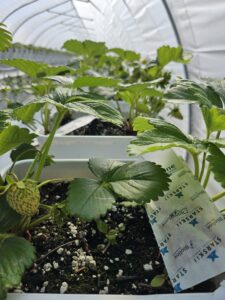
(24, 197)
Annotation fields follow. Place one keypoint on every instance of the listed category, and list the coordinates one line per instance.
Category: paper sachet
(189, 229)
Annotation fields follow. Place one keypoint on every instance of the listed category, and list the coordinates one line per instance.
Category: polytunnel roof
(140, 25)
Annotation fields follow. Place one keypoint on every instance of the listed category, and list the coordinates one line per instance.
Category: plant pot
(72, 147)
(73, 168)
(76, 147)
(84, 146)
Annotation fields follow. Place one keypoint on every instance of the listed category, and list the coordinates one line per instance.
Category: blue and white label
(189, 229)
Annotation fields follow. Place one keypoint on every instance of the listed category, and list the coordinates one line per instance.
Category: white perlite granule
(64, 287)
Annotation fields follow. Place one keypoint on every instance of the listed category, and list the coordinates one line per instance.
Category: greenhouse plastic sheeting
(142, 25)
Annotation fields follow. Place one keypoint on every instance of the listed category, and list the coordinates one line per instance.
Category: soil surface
(98, 127)
(77, 258)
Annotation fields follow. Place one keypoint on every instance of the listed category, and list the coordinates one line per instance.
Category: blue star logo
(179, 195)
(177, 288)
(153, 221)
(213, 256)
(164, 250)
(194, 222)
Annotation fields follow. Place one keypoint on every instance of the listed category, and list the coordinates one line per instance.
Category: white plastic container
(84, 146)
(68, 146)
(74, 168)
(72, 147)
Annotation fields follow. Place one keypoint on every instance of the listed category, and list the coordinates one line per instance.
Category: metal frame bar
(43, 30)
(173, 24)
(17, 9)
(56, 29)
(44, 23)
(65, 14)
(50, 11)
(72, 22)
(84, 1)
(56, 35)
(54, 25)
(76, 12)
(77, 26)
(95, 6)
(36, 14)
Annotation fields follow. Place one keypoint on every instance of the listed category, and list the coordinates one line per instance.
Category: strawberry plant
(103, 73)
(207, 152)
(6, 37)
(136, 76)
(89, 199)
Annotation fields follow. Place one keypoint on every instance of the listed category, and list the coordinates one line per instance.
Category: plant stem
(203, 160)
(196, 163)
(218, 196)
(54, 180)
(45, 118)
(207, 177)
(118, 106)
(48, 143)
(39, 220)
(209, 169)
(203, 167)
(32, 166)
(44, 206)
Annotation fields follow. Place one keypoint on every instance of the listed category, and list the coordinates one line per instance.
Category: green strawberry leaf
(26, 112)
(219, 86)
(4, 119)
(126, 96)
(140, 182)
(92, 81)
(187, 91)
(5, 38)
(24, 151)
(74, 46)
(88, 199)
(16, 254)
(86, 48)
(167, 54)
(217, 142)
(66, 99)
(144, 88)
(216, 161)
(8, 216)
(42, 89)
(164, 136)
(102, 226)
(60, 79)
(35, 69)
(142, 124)
(92, 48)
(3, 291)
(125, 54)
(98, 108)
(13, 136)
(102, 168)
(214, 118)
(133, 181)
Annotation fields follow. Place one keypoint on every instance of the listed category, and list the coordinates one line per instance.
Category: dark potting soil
(98, 127)
(76, 258)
